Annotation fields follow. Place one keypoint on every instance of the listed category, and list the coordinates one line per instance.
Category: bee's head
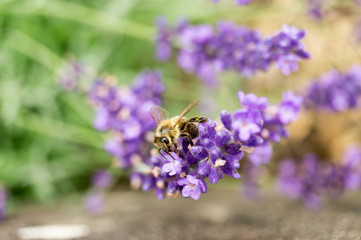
(163, 142)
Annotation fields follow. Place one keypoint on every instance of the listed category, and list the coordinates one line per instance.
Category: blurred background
(48, 146)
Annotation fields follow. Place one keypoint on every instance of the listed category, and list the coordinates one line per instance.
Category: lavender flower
(192, 187)
(261, 155)
(239, 2)
(335, 91)
(2, 203)
(243, 2)
(251, 187)
(258, 121)
(318, 9)
(101, 179)
(301, 182)
(352, 167)
(315, 9)
(207, 51)
(173, 164)
(72, 75)
(163, 48)
(312, 181)
(217, 151)
(94, 203)
(125, 112)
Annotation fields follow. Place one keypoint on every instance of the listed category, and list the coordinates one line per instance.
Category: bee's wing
(158, 114)
(185, 111)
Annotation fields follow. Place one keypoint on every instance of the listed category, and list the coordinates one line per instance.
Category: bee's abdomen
(192, 129)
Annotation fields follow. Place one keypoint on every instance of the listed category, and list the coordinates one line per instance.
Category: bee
(170, 130)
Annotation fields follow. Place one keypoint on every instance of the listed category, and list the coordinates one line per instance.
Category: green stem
(61, 130)
(27, 46)
(75, 12)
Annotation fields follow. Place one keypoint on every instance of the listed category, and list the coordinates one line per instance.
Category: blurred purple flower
(3, 196)
(206, 51)
(239, 2)
(94, 203)
(312, 181)
(315, 9)
(125, 112)
(261, 155)
(289, 107)
(216, 152)
(101, 179)
(335, 91)
(243, 2)
(71, 76)
(352, 163)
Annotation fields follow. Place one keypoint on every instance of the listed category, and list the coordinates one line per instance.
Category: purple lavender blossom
(312, 181)
(173, 164)
(239, 2)
(2, 203)
(94, 203)
(301, 182)
(125, 112)
(252, 101)
(288, 64)
(352, 163)
(335, 91)
(243, 2)
(251, 187)
(192, 187)
(163, 48)
(289, 107)
(101, 179)
(315, 9)
(261, 155)
(71, 76)
(218, 150)
(246, 123)
(206, 51)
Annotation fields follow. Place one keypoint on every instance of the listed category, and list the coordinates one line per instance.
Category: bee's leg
(185, 134)
(176, 148)
(159, 150)
(198, 119)
(170, 155)
(170, 149)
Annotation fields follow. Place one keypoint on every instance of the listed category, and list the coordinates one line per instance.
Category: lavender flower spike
(207, 51)
(192, 187)
(335, 91)
(173, 164)
(2, 202)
